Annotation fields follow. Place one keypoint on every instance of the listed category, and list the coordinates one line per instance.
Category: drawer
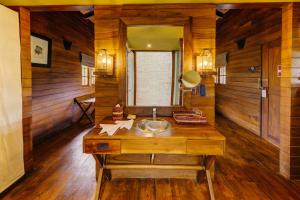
(205, 147)
(140, 146)
(102, 146)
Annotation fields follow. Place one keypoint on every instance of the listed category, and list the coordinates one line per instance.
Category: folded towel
(125, 124)
(110, 129)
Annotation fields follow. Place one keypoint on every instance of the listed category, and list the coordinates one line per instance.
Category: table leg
(98, 187)
(201, 174)
(100, 163)
(209, 170)
(210, 186)
(108, 174)
(212, 171)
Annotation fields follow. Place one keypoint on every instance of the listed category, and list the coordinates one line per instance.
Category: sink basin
(153, 125)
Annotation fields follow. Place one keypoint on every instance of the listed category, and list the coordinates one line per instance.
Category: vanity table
(201, 140)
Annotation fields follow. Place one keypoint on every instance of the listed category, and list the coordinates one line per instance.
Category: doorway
(270, 92)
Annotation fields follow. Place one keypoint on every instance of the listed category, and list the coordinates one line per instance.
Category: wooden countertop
(205, 132)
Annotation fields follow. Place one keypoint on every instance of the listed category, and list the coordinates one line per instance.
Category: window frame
(221, 77)
(88, 75)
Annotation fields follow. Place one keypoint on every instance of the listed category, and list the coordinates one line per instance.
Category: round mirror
(190, 79)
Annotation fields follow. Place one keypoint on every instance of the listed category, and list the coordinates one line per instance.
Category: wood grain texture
(178, 140)
(270, 113)
(24, 15)
(110, 33)
(289, 99)
(144, 146)
(102, 146)
(54, 88)
(63, 172)
(239, 99)
(205, 147)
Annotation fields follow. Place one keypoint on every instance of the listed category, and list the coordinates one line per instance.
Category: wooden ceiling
(120, 2)
(86, 7)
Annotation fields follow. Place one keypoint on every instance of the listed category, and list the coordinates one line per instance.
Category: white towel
(125, 124)
(111, 129)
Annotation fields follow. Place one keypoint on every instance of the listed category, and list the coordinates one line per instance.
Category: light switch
(264, 93)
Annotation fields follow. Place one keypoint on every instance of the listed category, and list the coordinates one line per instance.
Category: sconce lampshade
(102, 61)
(204, 62)
(105, 63)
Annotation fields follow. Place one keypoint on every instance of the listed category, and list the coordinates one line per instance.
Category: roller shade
(87, 60)
(221, 59)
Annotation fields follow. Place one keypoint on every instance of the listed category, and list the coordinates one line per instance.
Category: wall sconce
(252, 69)
(204, 62)
(105, 64)
(241, 43)
(67, 44)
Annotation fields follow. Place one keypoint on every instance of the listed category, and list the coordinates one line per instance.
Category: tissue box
(117, 113)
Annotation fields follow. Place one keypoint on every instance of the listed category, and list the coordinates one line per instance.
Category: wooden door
(271, 99)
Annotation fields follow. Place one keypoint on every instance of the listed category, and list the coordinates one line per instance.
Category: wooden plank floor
(247, 171)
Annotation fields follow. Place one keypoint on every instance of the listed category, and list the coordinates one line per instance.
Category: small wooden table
(85, 106)
(203, 140)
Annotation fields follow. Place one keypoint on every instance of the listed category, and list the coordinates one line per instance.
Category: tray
(189, 117)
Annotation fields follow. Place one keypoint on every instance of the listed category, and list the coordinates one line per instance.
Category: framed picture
(40, 50)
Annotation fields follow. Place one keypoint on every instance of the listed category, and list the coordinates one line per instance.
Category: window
(84, 73)
(92, 76)
(221, 76)
(153, 78)
(221, 63)
(88, 77)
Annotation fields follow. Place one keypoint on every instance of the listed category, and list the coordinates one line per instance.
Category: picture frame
(41, 47)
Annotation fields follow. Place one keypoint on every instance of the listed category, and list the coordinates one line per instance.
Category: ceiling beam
(60, 8)
(88, 14)
(219, 13)
(249, 5)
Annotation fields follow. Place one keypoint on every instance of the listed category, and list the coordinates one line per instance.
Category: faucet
(154, 113)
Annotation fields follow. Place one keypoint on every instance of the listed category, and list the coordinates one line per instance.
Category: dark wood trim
(181, 67)
(173, 77)
(134, 64)
(26, 70)
(219, 13)
(263, 74)
(89, 14)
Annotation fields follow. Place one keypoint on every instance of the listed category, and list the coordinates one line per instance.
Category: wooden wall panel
(110, 33)
(24, 15)
(239, 99)
(54, 88)
(290, 95)
(203, 30)
(107, 36)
